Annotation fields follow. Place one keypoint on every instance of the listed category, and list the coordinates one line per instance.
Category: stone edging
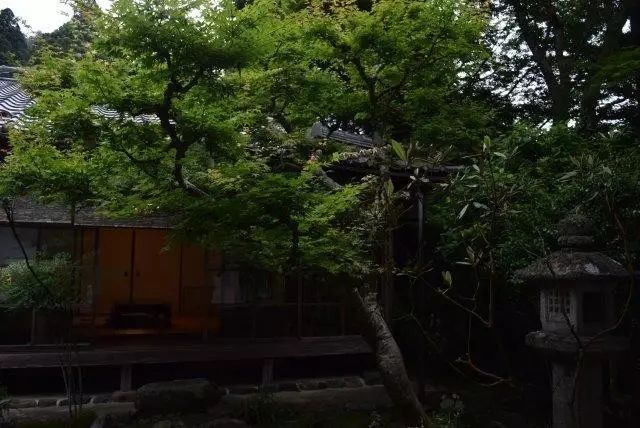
(130, 396)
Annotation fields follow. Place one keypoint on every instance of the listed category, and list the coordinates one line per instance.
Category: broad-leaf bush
(49, 286)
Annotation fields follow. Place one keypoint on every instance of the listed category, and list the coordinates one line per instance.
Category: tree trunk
(588, 117)
(560, 103)
(420, 299)
(634, 20)
(389, 359)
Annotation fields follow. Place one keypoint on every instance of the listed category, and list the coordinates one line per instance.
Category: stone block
(163, 424)
(47, 402)
(243, 389)
(63, 402)
(178, 396)
(288, 386)
(353, 382)
(372, 378)
(312, 384)
(22, 403)
(336, 382)
(101, 399)
(228, 423)
(124, 396)
(270, 388)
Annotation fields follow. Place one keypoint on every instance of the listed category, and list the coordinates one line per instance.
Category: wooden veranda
(126, 357)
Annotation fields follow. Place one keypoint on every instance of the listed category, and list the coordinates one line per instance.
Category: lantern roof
(574, 261)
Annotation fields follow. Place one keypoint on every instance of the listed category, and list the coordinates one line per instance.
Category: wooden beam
(126, 377)
(267, 371)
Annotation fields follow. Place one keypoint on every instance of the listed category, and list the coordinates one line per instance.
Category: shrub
(50, 288)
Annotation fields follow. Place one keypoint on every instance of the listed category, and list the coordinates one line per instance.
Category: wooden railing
(267, 318)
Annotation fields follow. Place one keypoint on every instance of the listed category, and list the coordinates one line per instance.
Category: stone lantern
(576, 306)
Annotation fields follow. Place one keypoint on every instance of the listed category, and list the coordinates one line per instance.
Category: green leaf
(486, 143)
(568, 175)
(399, 149)
(471, 255)
(463, 211)
(388, 188)
(447, 279)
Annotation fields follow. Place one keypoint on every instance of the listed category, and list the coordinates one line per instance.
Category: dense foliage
(226, 116)
(47, 283)
(507, 202)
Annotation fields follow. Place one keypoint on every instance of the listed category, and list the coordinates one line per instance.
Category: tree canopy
(532, 107)
(13, 43)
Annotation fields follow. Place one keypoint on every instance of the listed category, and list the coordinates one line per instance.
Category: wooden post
(420, 300)
(267, 371)
(39, 240)
(300, 302)
(96, 288)
(180, 284)
(126, 373)
(80, 261)
(34, 317)
(132, 264)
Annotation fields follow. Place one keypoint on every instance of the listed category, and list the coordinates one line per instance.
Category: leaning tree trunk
(389, 359)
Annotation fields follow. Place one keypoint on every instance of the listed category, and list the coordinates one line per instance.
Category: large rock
(178, 396)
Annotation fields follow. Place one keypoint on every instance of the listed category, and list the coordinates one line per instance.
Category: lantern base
(562, 345)
(577, 394)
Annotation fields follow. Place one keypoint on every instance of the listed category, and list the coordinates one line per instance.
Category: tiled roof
(14, 101)
(26, 211)
(318, 130)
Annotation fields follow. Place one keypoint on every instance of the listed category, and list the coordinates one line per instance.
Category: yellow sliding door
(156, 269)
(114, 268)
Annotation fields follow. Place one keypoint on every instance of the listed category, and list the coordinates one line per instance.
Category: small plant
(376, 420)
(4, 403)
(448, 418)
